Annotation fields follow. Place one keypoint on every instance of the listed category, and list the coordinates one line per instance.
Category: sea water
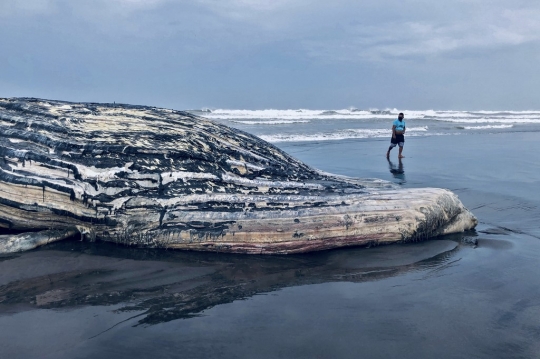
(303, 125)
(443, 298)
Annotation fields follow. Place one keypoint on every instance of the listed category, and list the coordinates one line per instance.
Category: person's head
(400, 116)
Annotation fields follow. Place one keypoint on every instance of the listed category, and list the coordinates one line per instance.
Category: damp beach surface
(444, 298)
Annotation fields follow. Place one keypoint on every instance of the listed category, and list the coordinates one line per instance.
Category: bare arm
(394, 131)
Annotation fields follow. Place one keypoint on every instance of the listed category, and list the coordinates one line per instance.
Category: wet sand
(444, 298)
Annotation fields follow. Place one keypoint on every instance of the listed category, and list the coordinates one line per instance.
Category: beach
(445, 297)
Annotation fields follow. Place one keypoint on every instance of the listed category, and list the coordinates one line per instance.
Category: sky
(281, 54)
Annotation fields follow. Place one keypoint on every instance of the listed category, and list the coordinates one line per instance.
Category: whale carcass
(153, 177)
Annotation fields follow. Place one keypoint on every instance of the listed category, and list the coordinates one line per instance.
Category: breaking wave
(341, 135)
(264, 117)
(487, 127)
(271, 122)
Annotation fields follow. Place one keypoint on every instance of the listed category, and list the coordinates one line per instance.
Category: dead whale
(154, 177)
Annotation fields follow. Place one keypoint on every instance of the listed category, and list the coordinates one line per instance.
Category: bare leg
(400, 151)
(388, 152)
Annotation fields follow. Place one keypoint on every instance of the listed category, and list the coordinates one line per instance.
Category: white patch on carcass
(168, 177)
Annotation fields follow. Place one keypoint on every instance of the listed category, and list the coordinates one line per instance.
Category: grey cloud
(249, 53)
(339, 32)
(25, 8)
(484, 28)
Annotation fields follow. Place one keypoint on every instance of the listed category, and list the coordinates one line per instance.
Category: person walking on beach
(398, 135)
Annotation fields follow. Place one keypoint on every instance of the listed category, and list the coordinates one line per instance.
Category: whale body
(154, 177)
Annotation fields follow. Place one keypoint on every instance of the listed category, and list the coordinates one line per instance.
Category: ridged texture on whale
(155, 177)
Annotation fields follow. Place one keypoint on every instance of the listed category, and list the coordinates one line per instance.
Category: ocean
(443, 298)
(278, 126)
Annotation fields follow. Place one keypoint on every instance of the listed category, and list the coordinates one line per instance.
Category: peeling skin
(154, 177)
(30, 240)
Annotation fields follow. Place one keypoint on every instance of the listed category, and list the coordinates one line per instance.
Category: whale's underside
(155, 177)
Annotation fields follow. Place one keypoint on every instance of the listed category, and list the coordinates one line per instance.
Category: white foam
(502, 120)
(301, 114)
(274, 122)
(487, 127)
(340, 135)
(273, 116)
(511, 112)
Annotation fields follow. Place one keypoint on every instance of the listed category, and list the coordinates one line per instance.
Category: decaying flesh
(155, 177)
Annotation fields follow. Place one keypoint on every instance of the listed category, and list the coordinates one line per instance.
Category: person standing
(398, 135)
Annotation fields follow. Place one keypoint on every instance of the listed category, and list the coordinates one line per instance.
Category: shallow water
(440, 298)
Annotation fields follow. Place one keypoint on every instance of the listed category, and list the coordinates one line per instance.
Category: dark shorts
(398, 140)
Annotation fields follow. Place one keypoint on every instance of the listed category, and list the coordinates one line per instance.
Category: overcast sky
(255, 54)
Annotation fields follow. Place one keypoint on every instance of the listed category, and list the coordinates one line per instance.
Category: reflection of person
(397, 171)
(398, 135)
